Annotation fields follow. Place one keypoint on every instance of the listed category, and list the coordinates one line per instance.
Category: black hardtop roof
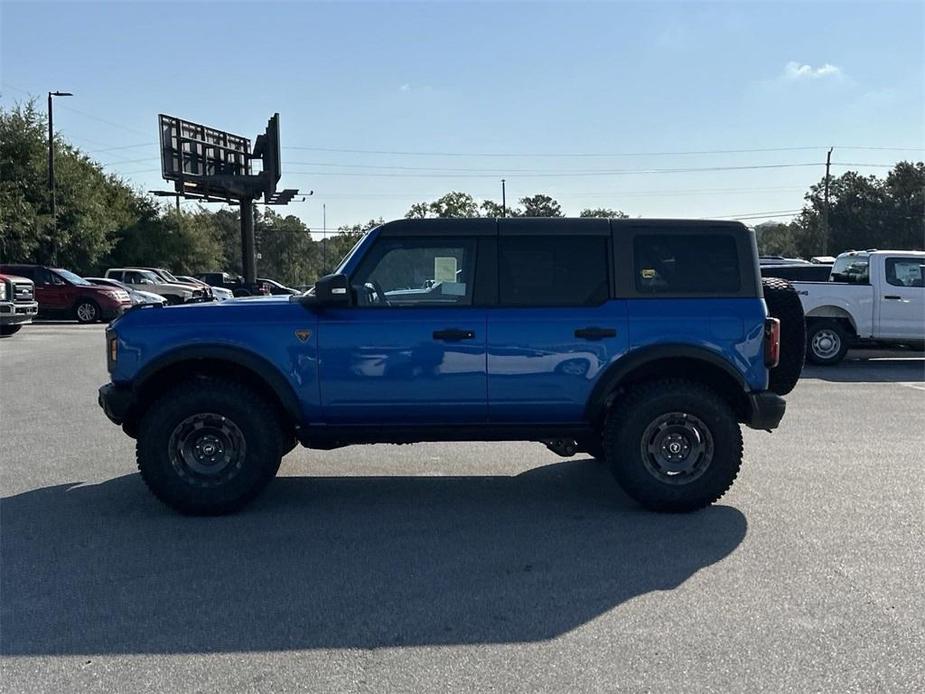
(486, 225)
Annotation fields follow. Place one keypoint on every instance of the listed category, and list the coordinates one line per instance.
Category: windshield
(167, 276)
(343, 263)
(148, 275)
(72, 278)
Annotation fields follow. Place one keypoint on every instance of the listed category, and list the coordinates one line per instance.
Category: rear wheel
(826, 343)
(784, 304)
(673, 445)
(86, 311)
(209, 447)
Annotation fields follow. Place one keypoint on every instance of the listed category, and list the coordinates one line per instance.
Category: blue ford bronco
(642, 343)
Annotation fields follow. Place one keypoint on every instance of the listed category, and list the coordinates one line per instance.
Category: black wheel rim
(207, 450)
(677, 448)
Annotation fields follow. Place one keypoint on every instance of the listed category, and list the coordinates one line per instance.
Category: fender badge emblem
(303, 335)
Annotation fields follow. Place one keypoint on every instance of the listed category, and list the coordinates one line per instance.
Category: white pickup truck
(872, 297)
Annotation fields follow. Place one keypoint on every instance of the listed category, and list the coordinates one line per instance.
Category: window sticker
(648, 273)
(444, 269)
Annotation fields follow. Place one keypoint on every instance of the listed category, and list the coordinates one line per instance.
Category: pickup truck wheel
(209, 447)
(86, 311)
(826, 343)
(673, 445)
(784, 304)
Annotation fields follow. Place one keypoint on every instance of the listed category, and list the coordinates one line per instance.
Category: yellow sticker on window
(648, 273)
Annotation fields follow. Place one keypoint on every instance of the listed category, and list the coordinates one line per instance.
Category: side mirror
(333, 291)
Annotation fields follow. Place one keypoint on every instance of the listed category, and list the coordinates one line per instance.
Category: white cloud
(798, 71)
(405, 87)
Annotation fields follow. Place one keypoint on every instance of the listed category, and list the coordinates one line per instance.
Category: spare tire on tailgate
(784, 304)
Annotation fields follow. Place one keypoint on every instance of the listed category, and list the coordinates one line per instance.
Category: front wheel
(826, 343)
(673, 445)
(86, 311)
(209, 447)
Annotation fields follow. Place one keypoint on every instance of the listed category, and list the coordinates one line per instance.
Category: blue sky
(454, 96)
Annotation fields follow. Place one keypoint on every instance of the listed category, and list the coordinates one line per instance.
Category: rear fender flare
(615, 374)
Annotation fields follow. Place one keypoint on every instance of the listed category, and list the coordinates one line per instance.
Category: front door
(412, 349)
(51, 291)
(902, 299)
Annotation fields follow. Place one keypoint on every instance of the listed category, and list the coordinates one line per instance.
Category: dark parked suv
(61, 293)
(643, 343)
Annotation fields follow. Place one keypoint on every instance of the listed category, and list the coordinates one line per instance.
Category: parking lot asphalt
(462, 567)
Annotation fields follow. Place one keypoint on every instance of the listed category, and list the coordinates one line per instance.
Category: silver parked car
(136, 295)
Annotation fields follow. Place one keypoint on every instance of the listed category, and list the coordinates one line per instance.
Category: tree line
(102, 221)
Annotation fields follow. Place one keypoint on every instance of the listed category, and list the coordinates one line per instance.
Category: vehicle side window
(854, 269)
(117, 275)
(904, 272)
(44, 276)
(553, 270)
(417, 272)
(686, 263)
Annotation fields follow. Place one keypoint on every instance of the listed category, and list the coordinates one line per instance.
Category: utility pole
(249, 266)
(324, 237)
(503, 200)
(51, 177)
(825, 205)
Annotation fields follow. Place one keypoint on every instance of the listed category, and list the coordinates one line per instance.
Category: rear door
(555, 327)
(902, 299)
(412, 351)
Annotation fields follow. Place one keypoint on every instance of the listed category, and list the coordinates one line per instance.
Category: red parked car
(61, 293)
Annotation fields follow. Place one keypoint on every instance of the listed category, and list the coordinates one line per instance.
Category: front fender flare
(255, 363)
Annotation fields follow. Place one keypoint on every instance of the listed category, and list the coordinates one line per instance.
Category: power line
(550, 154)
(561, 174)
(113, 149)
(747, 215)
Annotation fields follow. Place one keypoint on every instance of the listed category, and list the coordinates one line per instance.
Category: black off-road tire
(837, 336)
(87, 311)
(625, 439)
(252, 420)
(7, 330)
(784, 304)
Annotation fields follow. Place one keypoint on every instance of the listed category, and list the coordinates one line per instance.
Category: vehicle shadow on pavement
(909, 370)
(339, 562)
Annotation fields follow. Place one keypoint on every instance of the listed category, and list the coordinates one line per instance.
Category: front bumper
(17, 313)
(116, 401)
(766, 409)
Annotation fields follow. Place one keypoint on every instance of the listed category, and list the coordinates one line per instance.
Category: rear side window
(686, 264)
(904, 272)
(854, 269)
(553, 270)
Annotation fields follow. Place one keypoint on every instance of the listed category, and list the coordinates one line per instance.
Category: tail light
(771, 342)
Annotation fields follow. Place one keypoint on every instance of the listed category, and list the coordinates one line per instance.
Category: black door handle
(594, 333)
(453, 335)
(892, 296)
